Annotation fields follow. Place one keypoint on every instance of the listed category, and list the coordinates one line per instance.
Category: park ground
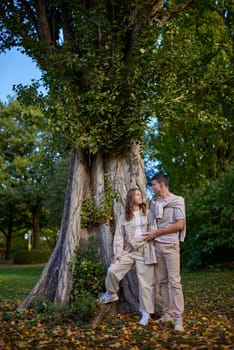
(208, 318)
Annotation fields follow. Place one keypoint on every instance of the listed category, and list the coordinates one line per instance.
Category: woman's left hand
(115, 259)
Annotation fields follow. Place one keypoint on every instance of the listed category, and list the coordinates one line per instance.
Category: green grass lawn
(16, 282)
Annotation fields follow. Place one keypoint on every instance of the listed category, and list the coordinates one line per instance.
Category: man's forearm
(164, 230)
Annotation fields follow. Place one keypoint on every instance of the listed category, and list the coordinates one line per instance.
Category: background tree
(25, 164)
(53, 202)
(193, 136)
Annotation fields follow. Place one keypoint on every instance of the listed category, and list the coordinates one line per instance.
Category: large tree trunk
(87, 178)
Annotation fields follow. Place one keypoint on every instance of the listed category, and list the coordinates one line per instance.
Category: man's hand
(149, 236)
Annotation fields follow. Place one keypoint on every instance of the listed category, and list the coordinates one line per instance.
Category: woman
(129, 249)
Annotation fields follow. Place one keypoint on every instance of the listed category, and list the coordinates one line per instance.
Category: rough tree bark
(87, 177)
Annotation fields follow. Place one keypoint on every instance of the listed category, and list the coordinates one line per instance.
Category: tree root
(104, 310)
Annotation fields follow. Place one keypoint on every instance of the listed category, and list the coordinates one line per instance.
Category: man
(169, 212)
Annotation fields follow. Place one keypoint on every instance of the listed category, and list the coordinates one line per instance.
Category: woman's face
(137, 199)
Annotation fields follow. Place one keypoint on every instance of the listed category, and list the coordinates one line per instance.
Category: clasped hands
(149, 236)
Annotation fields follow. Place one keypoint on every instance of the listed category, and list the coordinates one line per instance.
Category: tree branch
(43, 25)
(156, 12)
(160, 16)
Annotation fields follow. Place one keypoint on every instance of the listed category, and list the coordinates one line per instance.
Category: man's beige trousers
(168, 276)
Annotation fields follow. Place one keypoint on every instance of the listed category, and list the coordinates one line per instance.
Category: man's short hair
(161, 178)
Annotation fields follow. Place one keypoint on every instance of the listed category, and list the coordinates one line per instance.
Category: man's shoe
(179, 326)
(165, 318)
(108, 297)
(145, 317)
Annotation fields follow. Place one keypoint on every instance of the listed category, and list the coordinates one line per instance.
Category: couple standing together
(152, 248)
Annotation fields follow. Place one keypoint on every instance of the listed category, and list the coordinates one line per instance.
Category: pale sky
(15, 68)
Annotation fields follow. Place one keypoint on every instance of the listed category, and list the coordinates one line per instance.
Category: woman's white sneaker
(145, 317)
(107, 297)
(179, 326)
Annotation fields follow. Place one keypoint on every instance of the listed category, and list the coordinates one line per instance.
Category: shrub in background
(33, 256)
(210, 222)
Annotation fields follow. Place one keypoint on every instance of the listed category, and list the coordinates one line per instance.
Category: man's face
(157, 187)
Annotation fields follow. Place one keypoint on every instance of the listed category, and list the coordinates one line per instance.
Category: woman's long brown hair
(129, 205)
